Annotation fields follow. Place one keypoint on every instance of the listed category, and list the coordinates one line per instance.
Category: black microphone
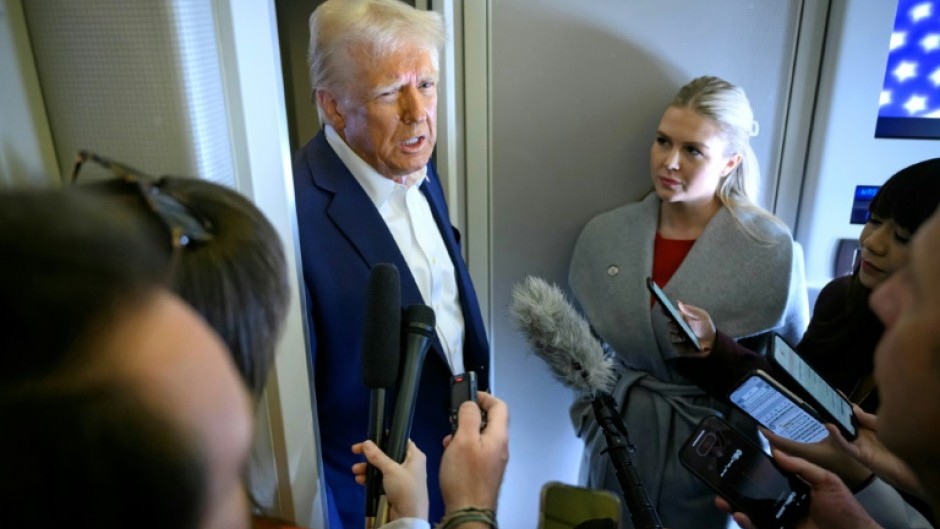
(380, 358)
(562, 338)
(417, 333)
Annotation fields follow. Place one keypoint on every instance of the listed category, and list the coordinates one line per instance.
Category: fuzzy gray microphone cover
(561, 337)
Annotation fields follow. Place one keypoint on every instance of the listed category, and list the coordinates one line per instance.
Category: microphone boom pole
(562, 338)
(642, 511)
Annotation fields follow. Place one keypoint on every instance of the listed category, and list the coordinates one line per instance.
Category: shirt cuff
(408, 523)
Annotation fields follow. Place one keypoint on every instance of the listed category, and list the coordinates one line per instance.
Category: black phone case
(762, 518)
(463, 387)
(806, 395)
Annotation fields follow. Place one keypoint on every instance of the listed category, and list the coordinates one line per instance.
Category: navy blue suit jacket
(342, 236)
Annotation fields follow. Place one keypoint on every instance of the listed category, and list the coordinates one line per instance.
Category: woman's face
(688, 157)
(883, 250)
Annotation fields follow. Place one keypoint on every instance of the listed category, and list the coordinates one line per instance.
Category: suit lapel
(356, 217)
(474, 332)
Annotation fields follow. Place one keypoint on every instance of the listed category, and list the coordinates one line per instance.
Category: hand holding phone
(463, 387)
(825, 399)
(836, 506)
(776, 408)
(744, 475)
(673, 313)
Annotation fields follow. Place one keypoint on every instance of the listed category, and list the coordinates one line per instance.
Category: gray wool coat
(749, 287)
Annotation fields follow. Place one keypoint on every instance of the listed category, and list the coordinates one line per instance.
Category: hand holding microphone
(417, 333)
(380, 357)
(405, 484)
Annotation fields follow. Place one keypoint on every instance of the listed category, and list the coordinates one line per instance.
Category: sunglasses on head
(184, 225)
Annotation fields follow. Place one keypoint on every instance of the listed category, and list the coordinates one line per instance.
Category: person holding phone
(843, 332)
(746, 477)
(908, 429)
(840, 340)
(699, 235)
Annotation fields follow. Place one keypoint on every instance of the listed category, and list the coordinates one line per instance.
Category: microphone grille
(420, 318)
(381, 336)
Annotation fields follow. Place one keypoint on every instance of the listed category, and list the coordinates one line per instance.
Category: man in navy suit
(366, 194)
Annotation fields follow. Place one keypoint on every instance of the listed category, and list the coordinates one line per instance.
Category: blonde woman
(699, 235)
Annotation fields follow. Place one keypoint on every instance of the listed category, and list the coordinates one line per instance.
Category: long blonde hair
(726, 105)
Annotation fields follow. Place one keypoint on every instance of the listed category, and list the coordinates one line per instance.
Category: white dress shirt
(408, 216)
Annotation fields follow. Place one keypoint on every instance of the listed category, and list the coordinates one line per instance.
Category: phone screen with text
(835, 405)
(776, 411)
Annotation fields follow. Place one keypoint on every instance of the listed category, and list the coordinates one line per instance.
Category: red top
(668, 254)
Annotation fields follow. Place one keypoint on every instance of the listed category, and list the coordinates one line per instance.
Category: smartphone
(673, 313)
(830, 404)
(744, 475)
(564, 506)
(776, 408)
(463, 387)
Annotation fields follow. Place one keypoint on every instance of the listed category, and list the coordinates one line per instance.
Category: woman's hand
(869, 451)
(701, 324)
(827, 453)
(406, 485)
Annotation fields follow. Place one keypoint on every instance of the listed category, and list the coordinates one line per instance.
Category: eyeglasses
(184, 225)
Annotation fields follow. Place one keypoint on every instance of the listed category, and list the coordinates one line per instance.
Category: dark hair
(78, 449)
(910, 196)
(69, 264)
(94, 454)
(237, 281)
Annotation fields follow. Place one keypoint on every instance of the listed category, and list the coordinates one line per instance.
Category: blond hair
(727, 106)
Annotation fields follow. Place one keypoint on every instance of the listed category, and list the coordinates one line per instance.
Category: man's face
(182, 368)
(907, 360)
(387, 112)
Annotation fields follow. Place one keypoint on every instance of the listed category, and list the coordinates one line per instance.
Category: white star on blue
(910, 82)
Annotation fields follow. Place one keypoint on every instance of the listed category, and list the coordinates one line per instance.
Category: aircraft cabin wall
(564, 99)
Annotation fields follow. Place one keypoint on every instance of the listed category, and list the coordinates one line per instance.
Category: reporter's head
(121, 405)
(907, 360)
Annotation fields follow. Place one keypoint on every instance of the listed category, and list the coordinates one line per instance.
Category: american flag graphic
(912, 77)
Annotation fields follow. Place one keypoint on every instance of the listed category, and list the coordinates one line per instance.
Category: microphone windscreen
(561, 337)
(381, 336)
